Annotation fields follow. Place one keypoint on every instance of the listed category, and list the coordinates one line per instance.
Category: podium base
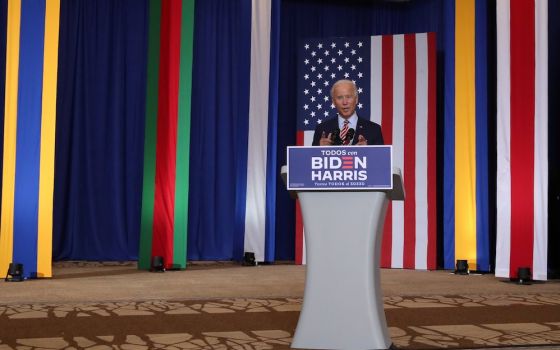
(342, 305)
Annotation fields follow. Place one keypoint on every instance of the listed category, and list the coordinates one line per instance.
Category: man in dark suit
(344, 95)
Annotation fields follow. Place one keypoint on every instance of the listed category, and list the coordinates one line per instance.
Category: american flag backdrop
(395, 77)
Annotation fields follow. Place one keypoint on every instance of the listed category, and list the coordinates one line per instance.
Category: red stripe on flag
(387, 130)
(166, 147)
(432, 213)
(522, 46)
(409, 171)
(299, 220)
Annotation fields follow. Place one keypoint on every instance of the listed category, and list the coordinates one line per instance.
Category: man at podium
(346, 128)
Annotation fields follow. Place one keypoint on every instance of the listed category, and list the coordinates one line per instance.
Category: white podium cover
(342, 305)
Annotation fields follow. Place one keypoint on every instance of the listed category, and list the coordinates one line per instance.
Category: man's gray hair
(344, 81)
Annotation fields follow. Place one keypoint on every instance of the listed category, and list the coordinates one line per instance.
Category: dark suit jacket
(370, 130)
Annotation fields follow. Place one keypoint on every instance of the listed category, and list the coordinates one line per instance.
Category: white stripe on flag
(541, 142)
(376, 64)
(255, 209)
(421, 147)
(398, 147)
(308, 137)
(503, 183)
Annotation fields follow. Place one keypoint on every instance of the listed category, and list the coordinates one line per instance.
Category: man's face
(344, 100)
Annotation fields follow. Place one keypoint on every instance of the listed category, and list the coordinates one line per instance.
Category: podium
(342, 304)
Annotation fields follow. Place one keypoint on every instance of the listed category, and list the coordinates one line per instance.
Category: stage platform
(222, 305)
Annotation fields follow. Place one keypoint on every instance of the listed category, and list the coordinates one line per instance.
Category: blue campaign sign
(340, 168)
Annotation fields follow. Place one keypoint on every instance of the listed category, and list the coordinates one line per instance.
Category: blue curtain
(221, 63)
(96, 211)
(101, 101)
(553, 139)
(100, 129)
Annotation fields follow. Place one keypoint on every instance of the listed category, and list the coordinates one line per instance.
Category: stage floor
(218, 305)
(95, 281)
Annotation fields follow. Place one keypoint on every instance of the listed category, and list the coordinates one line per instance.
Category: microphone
(335, 137)
(350, 135)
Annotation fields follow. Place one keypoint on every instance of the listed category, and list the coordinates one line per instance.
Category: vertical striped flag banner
(261, 170)
(522, 142)
(395, 77)
(29, 136)
(465, 179)
(167, 133)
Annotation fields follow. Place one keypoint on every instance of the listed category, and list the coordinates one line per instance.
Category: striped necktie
(343, 133)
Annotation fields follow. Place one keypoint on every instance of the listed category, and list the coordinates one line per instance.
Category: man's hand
(362, 140)
(325, 140)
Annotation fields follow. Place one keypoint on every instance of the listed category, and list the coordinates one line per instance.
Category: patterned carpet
(434, 322)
